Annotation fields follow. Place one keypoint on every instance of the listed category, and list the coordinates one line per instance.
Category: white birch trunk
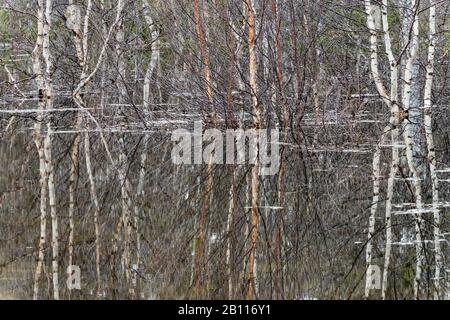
(93, 191)
(81, 45)
(48, 145)
(376, 158)
(408, 136)
(43, 218)
(431, 150)
(37, 69)
(394, 121)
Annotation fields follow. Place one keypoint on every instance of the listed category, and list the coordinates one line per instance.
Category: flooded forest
(224, 149)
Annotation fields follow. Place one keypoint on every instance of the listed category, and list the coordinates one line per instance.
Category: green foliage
(4, 25)
(446, 40)
(359, 17)
(393, 18)
(407, 274)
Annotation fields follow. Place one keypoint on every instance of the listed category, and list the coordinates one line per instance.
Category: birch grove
(95, 94)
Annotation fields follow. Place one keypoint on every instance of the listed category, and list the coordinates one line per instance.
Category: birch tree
(431, 149)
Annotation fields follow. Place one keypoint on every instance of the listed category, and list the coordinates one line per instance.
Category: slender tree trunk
(231, 236)
(48, 145)
(93, 191)
(125, 187)
(43, 182)
(233, 197)
(200, 259)
(81, 45)
(255, 167)
(278, 284)
(146, 106)
(394, 121)
(74, 167)
(431, 150)
(43, 217)
(408, 136)
(377, 154)
(74, 151)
